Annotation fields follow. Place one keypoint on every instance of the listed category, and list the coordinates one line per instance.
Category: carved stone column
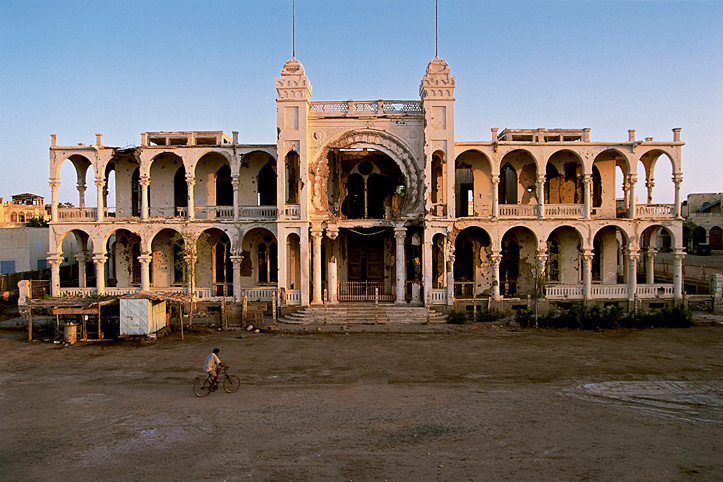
(495, 195)
(100, 184)
(587, 257)
(631, 199)
(400, 234)
(99, 260)
(650, 184)
(496, 258)
(81, 194)
(316, 235)
(449, 269)
(632, 257)
(54, 184)
(55, 262)
(235, 184)
(236, 261)
(190, 182)
(649, 266)
(678, 274)
(626, 194)
(144, 182)
(145, 260)
(587, 195)
(541, 195)
(81, 257)
(333, 267)
(677, 180)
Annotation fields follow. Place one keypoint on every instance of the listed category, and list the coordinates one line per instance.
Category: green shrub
(525, 318)
(491, 315)
(597, 318)
(457, 318)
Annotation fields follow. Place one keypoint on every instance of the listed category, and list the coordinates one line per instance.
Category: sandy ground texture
(495, 404)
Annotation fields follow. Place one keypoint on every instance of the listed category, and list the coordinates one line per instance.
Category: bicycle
(202, 387)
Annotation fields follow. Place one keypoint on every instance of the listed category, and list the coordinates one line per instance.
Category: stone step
(363, 313)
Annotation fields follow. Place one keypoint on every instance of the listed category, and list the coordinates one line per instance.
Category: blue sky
(75, 68)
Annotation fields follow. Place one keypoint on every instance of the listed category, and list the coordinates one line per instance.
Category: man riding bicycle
(211, 367)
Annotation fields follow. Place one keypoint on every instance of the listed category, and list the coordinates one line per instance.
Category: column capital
(496, 258)
(541, 179)
(100, 182)
(55, 259)
(632, 178)
(677, 178)
(145, 259)
(400, 234)
(191, 180)
(632, 254)
(679, 255)
(236, 259)
(81, 257)
(54, 183)
(587, 255)
(317, 234)
(587, 178)
(332, 233)
(495, 178)
(144, 181)
(99, 258)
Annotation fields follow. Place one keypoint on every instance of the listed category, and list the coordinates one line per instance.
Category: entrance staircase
(363, 313)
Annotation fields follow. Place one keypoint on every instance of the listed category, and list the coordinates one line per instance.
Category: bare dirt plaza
(481, 404)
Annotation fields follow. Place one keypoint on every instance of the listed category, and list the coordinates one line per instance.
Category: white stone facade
(364, 200)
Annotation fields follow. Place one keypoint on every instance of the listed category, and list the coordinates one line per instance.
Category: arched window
(180, 189)
(292, 178)
(508, 185)
(224, 188)
(716, 238)
(596, 188)
(136, 193)
(553, 260)
(267, 186)
(267, 257)
(465, 190)
(13, 217)
(354, 202)
(223, 268)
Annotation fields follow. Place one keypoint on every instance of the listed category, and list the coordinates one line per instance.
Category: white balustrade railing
(439, 296)
(378, 107)
(265, 212)
(70, 291)
(293, 297)
(292, 211)
(214, 212)
(705, 215)
(609, 291)
(654, 291)
(77, 214)
(261, 294)
(115, 291)
(564, 291)
(654, 211)
(518, 210)
(564, 210)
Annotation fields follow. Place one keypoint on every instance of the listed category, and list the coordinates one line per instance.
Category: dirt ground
(494, 404)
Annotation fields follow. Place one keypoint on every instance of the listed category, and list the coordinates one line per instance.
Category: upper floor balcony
(356, 108)
(201, 213)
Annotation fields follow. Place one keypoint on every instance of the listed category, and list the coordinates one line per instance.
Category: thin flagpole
(293, 29)
(436, 28)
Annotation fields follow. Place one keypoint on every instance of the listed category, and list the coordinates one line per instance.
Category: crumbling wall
(124, 169)
(162, 173)
(569, 257)
(162, 261)
(608, 171)
(204, 192)
(251, 164)
(482, 172)
(610, 250)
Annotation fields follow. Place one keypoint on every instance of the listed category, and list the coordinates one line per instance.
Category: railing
(463, 289)
(654, 291)
(293, 297)
(115, 291)
(292, 211)
(705, 215)
(77, 214)
(363, 291)
(609, 291)
(564, 210)
(265, 212)
(214, 212)
(168, 212)
(109, 212)
(261, 294)
(654, 210)
(378, 107)
(518, 210)
(439, 296)
(77, 291)
(563, 292)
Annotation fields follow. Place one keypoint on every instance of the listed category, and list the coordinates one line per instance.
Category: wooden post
(181, 319)
(100, 334)
(57, 325)
(30, 323)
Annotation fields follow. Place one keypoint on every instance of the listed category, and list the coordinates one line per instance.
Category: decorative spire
(437, 82)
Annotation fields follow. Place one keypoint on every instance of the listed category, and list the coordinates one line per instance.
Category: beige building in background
(375, 199)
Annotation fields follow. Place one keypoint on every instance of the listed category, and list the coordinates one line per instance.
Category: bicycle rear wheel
(201, 388)
(231, 383)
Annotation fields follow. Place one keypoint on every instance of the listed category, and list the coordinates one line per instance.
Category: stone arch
(390, 145)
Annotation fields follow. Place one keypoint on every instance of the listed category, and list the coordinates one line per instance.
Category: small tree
(191, 249)
(37, 222)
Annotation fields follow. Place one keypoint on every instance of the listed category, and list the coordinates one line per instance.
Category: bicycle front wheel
(201, 388)
(231, 384)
